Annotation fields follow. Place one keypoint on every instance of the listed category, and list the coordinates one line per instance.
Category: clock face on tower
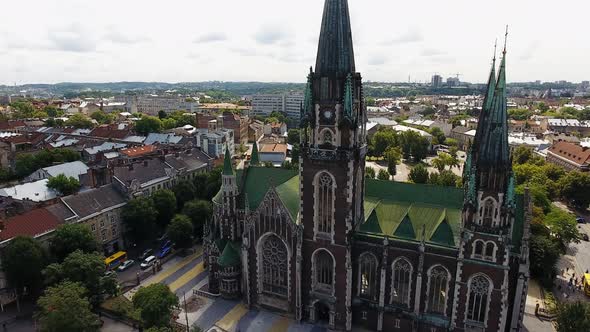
(327, 116)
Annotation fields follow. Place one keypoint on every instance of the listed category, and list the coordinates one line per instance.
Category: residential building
(272, 153)
(255, 131)
(464, 136)
(287, 103)
(567, 126)
(570, 156)
(276, 128)
(153, 104)
(144, 178)
(100, 209)
(326, 245)
(36, 191)
(228, 120)
(132, 154)
(72, 169)
(436, 81)
(168, 139)
(214, 140)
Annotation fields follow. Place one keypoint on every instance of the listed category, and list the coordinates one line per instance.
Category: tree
(519, 114)
(139, 216)
(445, 178)
(63, 184)
(573, 317)
(544, 253)
(199, 211)
(575, 187)
(148, 124)
(51, 111)
(102, 118)
(439, 163)
(213, 182)
(156, 302)
(23, 260)
(293, 136)
(71, 237)
(168, 124)
(79, 120)
(383, 139)
(543, 107)
(438, 135)
(413, 144)
(64, 308)
(180, 231)
(393, 155)
(383, 175)
(162, 115)
(184, 192)
(164, 202)
(369, 172)
(563, 226)
(419, 174)
(86, 268)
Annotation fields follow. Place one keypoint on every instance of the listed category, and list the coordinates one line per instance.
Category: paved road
(531, 322)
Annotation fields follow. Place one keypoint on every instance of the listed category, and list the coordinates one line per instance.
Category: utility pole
(186, 313)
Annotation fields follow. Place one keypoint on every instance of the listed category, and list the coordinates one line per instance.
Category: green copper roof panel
(227, 166)
(259, 179)
(289, 194)
(230, 255)
(254, 160)
(409, 192)
(444, 234)
(405, 229)
(370, 203)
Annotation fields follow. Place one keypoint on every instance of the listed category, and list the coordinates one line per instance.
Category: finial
(495, 48)
(505, 39)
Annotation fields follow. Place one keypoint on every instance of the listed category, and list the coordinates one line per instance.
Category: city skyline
(274, 42)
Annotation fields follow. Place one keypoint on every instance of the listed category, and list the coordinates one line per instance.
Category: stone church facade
(324, 244)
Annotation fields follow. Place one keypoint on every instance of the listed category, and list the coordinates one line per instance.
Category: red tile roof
(265, 148)
(32, 223)
(572, 152)
(139, 151)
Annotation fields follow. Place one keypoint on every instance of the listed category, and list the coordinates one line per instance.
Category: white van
(148, 262)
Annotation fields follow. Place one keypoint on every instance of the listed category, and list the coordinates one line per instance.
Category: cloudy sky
(46, 41)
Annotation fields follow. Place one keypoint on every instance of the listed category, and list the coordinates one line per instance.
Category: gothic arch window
(324, 204)
(490, 253)
(323, 271)
(489, 212)
(327, 137)
(438, 289)
(274, 267)
(368, 276)
(480, 289)
(478, 249)
(359, 193)
(401, 282)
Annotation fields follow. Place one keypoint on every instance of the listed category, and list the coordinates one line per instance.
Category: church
(324, 244)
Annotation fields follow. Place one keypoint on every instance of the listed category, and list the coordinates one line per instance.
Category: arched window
(274, 267)
(478, 248)
(324, 203)
(401, 282)
(490, 251)
(479, 298)
(488, 212)
(438, 290)
(359, 193)
(324, 271)
(368, 276)
(327, 137)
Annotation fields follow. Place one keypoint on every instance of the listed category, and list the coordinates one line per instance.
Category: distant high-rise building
(287, 103)
(585, 85)
(453, 81)
(436, 81)
(152, 104)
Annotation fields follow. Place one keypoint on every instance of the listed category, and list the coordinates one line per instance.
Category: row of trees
(28, 163)
(410, 144)
(181, 212)
(552, 228)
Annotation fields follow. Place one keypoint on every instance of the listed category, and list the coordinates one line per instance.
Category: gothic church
(324, 244)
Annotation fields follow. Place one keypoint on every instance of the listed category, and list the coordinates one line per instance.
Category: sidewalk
(531, 322)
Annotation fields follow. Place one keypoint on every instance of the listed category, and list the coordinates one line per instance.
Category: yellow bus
(116, 259)
(587, 284)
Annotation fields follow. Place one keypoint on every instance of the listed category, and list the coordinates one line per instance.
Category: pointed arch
(324, 205)
(401, 281)
(368, 277)
(437, 289)
(479, 293)
(323, 271)
(274, 265)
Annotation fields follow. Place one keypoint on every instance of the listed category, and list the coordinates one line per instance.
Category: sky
(49, 41)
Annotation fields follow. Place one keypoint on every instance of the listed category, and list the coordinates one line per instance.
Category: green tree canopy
(293, 136)
(199, 211)
(164, 202)
(184, 192)
(393, 156)
(148, 124)
(369, 172)
(519, 114)
(79, 120)
(419, 174)
(139, 216)
(573, 317)
(180, 231)
(63, 184)
(156, 302)
(544, 253)
(102, 118)
(445, 178)
(71, 237)
(383, 175)
(563, 226)
(28, 163)
(23, 260)
(64, 308)
(575, 187)
(438, 135)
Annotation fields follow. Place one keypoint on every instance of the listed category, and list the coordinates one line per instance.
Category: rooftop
(35, 191)
(33, 223)
(73, 169)
(572, 152)
(273, 148)
(94, 201)
(138, 151)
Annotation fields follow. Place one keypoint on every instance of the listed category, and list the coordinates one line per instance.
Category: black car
(146, 253)
(580, 220)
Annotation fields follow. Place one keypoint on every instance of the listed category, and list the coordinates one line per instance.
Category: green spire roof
(487, 103)
(230, 255)
(254, 158)
(335, 51)
(227, 166)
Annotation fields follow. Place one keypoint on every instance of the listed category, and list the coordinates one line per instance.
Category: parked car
(166, 244)
(148, 262)
(110, 274)
(165, 251)
(126, 264)
(146, 253)
(580, 220)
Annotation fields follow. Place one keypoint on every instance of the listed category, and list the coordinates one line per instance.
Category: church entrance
(322, 313)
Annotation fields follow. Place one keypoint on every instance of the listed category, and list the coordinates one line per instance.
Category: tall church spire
(335, 51)
(487, 102)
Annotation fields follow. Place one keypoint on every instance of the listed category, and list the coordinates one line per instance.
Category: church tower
(332, 163)
(485, 255)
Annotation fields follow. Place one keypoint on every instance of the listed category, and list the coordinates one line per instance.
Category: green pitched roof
(254, 160)
(289, 194)
(230, 255)
(259, 179)
(410, 192)
(227, 166)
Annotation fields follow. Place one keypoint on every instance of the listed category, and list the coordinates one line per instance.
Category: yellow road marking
(168, 272)
(232, 318)
(281, 325)
(183, 279)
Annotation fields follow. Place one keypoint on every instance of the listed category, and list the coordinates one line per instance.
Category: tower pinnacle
(335, 51)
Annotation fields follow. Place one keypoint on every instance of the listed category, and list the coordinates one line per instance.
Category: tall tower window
(479, 297)
(274, 266)
(489, 211)
(438, 290)
(401, 282)
(324, 198)
(323, 265)
(368, 276)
